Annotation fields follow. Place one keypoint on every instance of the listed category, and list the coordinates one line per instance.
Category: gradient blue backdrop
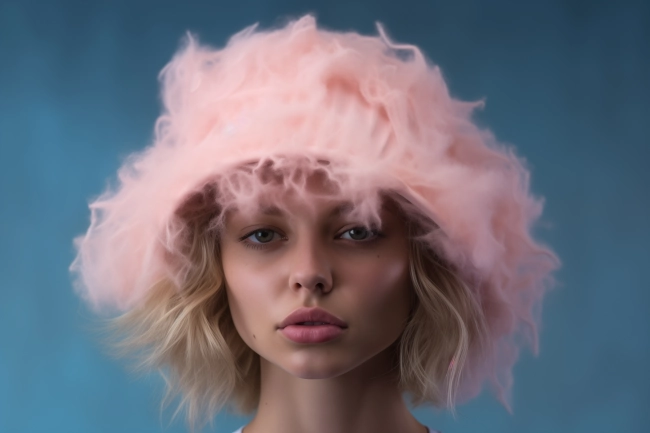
(567, 82)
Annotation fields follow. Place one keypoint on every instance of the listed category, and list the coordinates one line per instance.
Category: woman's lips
(314, 314)
(309, 334)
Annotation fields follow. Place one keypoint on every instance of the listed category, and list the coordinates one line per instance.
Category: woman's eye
(262, 238)
(361, 233)
(259, 238)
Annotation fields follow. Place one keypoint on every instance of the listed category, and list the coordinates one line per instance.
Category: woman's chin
(315, 365)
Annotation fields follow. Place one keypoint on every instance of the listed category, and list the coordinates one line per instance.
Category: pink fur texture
(371, 116)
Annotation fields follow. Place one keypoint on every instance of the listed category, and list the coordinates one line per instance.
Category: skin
(310, 257)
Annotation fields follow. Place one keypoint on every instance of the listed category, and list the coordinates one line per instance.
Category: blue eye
(262, 236)
(362, 233)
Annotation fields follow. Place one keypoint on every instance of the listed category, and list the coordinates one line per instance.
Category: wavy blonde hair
(188, 334)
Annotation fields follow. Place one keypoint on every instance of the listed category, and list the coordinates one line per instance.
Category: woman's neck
(364, 400)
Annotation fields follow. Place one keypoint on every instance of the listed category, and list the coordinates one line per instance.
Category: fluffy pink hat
(372, 116)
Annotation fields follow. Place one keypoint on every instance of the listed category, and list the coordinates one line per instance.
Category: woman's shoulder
(430, 430)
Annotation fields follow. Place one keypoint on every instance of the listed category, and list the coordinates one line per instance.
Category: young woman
(318, 230)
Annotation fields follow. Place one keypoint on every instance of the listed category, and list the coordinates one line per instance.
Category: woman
(317, 230)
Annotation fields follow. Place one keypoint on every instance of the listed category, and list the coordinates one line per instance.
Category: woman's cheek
(382, 275)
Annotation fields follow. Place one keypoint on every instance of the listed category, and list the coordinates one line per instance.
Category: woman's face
(276, 262)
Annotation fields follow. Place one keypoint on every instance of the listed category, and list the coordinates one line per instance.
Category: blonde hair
(186, 331)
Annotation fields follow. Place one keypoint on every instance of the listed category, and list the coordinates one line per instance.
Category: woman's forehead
(285, 205)
(338, 208)
(289, 186)
(313, 205)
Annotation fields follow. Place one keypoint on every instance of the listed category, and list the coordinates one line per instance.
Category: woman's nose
(310, 267)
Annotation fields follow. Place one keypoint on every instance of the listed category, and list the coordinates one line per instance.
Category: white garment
(242, 427)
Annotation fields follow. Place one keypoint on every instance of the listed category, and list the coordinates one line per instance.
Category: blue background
(567, 82)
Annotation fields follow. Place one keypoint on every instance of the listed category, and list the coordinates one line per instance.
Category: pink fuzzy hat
(371, 116)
